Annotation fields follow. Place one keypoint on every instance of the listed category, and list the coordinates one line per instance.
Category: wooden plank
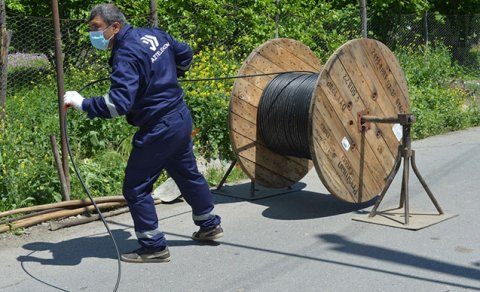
(357, 78)
(258, 81)
(356, 63)
(284, 59)
(346, 162)
(351, 77)
(244, 102)
(275, 163)
(396, 70)
(240, 107)
(244, 127)
(383, 73)
(302, 52)
(247, 91)
(326, 159)
(336, 133)
(344, 87)
(264, 65)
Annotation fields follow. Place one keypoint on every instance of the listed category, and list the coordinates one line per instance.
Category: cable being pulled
(77, 172)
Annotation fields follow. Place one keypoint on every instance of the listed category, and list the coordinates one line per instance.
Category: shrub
(27, 174)
(438, 107)
(427, 66)
(209, 100)
(440, 110)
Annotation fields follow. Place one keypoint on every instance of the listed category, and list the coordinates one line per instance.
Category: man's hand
(73, 98)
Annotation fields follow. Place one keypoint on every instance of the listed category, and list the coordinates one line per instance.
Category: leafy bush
(438, 107)
(427, 66)
(440, 110)
(209, 100)
(319, 26)
(27, 174)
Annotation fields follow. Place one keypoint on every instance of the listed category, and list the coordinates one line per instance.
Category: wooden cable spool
(362, 77)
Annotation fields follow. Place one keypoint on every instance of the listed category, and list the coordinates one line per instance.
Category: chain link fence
(460, 33)
(32, 49)
(31, 52)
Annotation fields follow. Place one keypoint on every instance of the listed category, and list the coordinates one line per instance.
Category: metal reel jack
(393, 217)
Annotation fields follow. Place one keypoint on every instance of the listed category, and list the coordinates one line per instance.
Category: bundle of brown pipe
(29, 216)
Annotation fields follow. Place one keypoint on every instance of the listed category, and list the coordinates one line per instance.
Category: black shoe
(147, 255)
(208, 234)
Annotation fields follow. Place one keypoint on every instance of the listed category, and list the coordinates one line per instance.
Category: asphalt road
(303, 240)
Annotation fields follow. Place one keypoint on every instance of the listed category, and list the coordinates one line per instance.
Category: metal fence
(31, 52)
(32, 48)
(460, 33)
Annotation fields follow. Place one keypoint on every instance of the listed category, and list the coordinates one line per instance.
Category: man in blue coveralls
(145, 64)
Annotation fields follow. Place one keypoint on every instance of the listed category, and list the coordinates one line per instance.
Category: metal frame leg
(424, 184)
(252, 188)
(389, 181)
(230, 168)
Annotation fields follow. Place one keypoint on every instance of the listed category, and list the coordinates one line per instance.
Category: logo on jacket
(150, 40)
(159, 52)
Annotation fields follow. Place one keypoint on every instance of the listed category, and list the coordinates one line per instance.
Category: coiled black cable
(283, 113)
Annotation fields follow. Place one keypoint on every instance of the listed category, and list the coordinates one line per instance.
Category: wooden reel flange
(362, 77)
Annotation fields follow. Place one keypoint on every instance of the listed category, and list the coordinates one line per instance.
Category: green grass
(214, 175)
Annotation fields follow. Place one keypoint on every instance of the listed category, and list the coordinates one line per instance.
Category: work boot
(147, 255)
(208, 234)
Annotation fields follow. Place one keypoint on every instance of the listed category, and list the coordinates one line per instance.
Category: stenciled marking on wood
(348, 173)
(335, 92)
(377, 58)
(351, 86)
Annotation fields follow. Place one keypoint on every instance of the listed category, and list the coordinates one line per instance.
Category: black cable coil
(283, 114)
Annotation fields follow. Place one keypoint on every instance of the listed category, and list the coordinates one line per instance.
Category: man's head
(108, 19)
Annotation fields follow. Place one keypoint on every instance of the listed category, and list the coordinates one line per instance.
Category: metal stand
(230, 168)
(408, 156)
(255, 192)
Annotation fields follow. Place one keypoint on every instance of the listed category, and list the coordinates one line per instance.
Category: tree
(449, 7)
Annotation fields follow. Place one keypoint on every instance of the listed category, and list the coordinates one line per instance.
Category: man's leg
(194, 188)
(137, 188)
(182, 167)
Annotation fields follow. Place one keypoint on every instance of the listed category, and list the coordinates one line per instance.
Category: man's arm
(183, 57)
(119, 100)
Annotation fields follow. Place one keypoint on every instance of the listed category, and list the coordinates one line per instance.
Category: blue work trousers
(167, 145)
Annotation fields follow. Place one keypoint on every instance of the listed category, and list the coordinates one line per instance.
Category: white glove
(73, 98)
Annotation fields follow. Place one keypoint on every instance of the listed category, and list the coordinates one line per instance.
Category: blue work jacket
(145, 63)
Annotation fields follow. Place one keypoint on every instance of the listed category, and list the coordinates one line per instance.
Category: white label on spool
(345, 143)
(398, 131)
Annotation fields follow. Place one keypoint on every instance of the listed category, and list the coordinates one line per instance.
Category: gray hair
(109, 13)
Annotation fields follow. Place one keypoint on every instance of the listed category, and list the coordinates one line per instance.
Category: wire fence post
(425, 27)
(363, 16)
(153, 13)
(4, 44)
(60, 89)
(277, 19)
